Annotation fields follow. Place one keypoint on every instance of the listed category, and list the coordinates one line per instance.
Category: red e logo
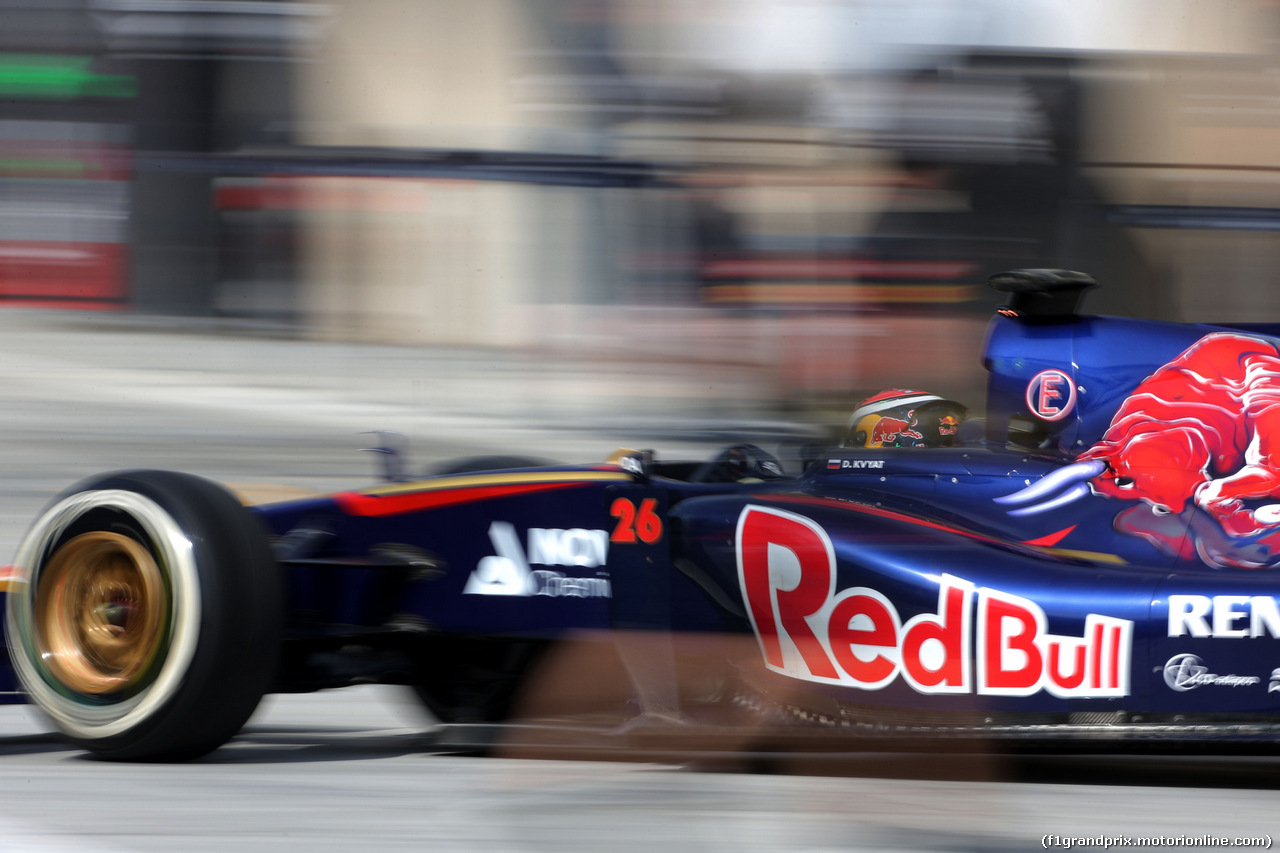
(1051, 395)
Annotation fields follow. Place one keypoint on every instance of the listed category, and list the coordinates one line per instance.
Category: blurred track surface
(80, 394)
(356, 770)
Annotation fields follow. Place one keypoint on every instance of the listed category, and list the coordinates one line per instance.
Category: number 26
(642, 523)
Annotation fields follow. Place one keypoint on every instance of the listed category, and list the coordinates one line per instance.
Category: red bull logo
(1197, 444)
(979, 640)
(891, 430)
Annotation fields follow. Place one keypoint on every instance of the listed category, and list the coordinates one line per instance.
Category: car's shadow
(266, 745)
(1259, 772)
(1256, 772)
(30, 744)
(1232, 767)
(300, 744)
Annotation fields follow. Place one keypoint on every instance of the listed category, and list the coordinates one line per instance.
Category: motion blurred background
(800, 199)
(234, 233)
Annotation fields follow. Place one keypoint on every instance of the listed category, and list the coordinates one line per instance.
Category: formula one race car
(1091, 563)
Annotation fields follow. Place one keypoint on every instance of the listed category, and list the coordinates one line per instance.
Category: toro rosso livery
(1094, 559)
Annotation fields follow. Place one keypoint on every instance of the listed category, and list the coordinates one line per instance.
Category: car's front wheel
(149, 624)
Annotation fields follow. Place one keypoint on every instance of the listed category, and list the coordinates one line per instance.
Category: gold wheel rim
(100, 613)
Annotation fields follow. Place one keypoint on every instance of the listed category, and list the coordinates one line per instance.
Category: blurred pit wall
(1163, 134)
(217, 157)
(417, 261)
(1185, 149)
(596, 274)
(410, 260)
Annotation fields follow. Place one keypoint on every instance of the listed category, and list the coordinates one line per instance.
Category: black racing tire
(149, 626)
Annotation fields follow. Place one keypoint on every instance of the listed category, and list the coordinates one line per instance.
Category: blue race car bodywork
(1095, 562)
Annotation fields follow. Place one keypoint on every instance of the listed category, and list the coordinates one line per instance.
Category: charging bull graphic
(1197, 443)
(889, 430)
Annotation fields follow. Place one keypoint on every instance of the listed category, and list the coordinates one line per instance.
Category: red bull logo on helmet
(890, 431)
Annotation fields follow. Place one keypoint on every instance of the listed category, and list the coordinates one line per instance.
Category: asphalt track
(357, 770)
(362, 769)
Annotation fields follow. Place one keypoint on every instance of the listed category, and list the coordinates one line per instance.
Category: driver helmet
(904, 418)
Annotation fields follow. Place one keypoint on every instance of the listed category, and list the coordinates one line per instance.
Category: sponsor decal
(637, 523)
(807, 629)
(834, 464)
(1274, 686)
(889, 430)
(1187, 672)
(1224, 616)
(510, 572)
(1051, 395)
